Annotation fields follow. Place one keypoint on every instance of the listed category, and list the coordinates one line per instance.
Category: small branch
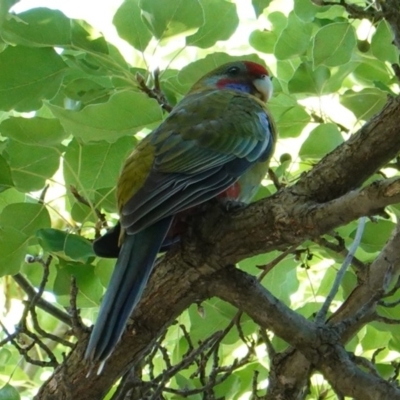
(268, 344)
(43, 194)
(78, 326)
(341, 250)
(386, 320)
(30, 291)
(364, 363)
(45, 334)
(274, 179)
(395, 288)
(321, 315)
(355, 11)
(155, 93)
(396, 372)
(80, 199)
(254, 386)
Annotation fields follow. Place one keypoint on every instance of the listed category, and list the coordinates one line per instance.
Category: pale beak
(264, 87)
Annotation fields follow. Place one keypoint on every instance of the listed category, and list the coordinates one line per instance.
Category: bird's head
(244, 76)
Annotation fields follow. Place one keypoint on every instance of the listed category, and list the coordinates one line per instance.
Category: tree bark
(201, 266)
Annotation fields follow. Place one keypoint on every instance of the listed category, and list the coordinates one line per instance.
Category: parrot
(215, 144)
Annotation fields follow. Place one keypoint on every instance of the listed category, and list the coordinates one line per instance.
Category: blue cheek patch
(241, 87)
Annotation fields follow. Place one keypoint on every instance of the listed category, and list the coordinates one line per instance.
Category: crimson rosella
(216, 143)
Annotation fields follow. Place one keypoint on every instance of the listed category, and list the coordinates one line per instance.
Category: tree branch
(294, 214)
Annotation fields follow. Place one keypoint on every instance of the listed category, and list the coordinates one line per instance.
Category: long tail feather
(131, 273)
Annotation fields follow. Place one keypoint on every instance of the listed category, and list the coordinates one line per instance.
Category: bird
(216, 143)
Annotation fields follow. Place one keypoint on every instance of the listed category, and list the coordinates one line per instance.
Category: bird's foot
(233, 205)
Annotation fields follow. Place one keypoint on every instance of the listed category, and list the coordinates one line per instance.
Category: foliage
(71, 109)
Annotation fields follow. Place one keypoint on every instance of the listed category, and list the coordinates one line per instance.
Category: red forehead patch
(255, 69)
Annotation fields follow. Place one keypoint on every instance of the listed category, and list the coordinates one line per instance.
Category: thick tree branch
(319, 344)
(348, 166)
(218, 239)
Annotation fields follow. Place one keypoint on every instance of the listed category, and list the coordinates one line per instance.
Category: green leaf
(34, 131)
(106, 198)
(365, 103)
(375, 235)
(29, 75)
(260, 5)
(86, 38)
(43, 27)
(279, 21)
(371, 71)
(5, 355)
(382, 44)
(338, 75)
(321, 141)
(286, 69)
(173, 17)
(5, 6)
(334, 44)
(65, 244)
(82, 213)
(217, 315)
(309, 80)
(38, 27)
(220, 22)
(86, 91)
(13, 245)
(290, 117)
(123, 114)
(8, 392)
(263, 41)
(282, 281)
(5, 175)
(25, 217)
(306, 10)
(95, 165)
(228, 388)
(9, 197)
(90, 289)
(31, 165)
(374, 336)
(294, 39)
(104, 269)
(130, 25)
(292, 122)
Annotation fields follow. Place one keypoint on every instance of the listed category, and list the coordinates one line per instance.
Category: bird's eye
(233, 71)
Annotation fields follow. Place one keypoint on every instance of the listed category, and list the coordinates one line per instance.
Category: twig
(386, 320)
(393, 291)
(155, 93)
(268, 344)
(80, 199)
(341, 250)
(268, 267)
(43, 194)
(376, 352)
(77, 325)
(394, 377)
(30, 291)
(254, 385)
(162, 379)
(321, 315)
(355, 11)
(45, 334)
(274, 179)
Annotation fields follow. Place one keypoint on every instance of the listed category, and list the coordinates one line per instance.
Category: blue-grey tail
(129, 278)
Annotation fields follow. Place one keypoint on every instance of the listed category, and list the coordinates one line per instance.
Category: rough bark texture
(201, 266)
